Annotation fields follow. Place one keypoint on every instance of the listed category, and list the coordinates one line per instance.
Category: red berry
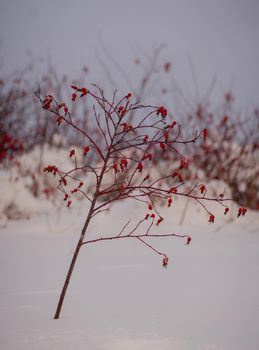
(189, 239)
(212, 218)
(226, 211)
(72, 153)
(165, 261)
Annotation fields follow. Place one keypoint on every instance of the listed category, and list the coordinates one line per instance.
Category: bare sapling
(123, 167)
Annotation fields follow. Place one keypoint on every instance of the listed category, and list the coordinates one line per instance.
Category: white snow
(19, 182)
(120, 297)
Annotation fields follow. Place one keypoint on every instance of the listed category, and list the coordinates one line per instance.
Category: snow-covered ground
(120, 297)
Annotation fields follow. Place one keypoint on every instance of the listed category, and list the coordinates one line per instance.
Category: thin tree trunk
(81, 239)
(73, 261)
(64, 289)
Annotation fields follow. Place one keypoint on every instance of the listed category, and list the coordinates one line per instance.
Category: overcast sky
(220, 36)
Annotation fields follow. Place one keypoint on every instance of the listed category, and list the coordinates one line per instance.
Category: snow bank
(24, 186)
(27, 191)
(16, 200)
